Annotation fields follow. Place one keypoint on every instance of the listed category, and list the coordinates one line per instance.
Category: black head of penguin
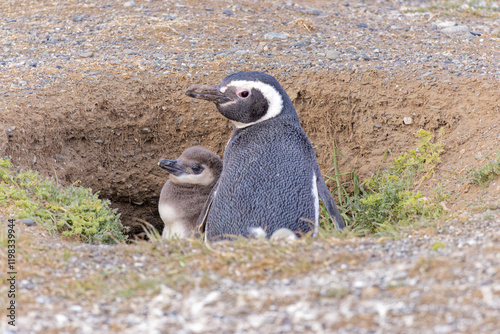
(195, 166)
(246, 98)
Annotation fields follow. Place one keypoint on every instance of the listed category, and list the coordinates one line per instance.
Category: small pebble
(60, 158)
(75, 308)
(445, 24)
(301, 44)
(407, 120)
(275, 35)
(455, 29)
(261, 47)
(362, 25)
(27, 221)
(129, 3)
(88, 54)
(332, 54)
(61, 319)
(42, 300)
(78, 18)
(314, 12)
(443, 329)
(227, 12)
(130, 52)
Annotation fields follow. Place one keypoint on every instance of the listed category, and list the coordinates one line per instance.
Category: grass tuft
(454, 8)
(438, 245)
(390, 199)
(487, 172)
(72, 211)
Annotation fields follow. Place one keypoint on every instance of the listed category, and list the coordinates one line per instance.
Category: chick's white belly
(175, 226)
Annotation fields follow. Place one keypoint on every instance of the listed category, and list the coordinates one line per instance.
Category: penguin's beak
(172, 166)
(206, 92)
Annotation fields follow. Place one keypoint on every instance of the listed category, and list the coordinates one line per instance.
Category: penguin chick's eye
(196, 169)
(244, 94)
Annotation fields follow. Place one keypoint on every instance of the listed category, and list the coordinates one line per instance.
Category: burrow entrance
(109, 133)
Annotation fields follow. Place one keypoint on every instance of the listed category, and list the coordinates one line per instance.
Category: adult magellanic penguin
(182, 198)
(270, 177)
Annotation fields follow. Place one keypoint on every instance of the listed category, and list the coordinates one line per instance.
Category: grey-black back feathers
(270, 176)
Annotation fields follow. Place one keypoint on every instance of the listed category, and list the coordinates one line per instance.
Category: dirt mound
(109, 134)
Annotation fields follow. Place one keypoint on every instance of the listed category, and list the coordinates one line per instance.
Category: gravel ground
(435, 280)
(44, 44)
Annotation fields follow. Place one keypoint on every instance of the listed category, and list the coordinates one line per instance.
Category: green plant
(71, 211)
(487, 172)
(337, 293)
(423, 159)
(416, 10)
(343, 195)
(483, 8)
(437, 245)
(390, 197)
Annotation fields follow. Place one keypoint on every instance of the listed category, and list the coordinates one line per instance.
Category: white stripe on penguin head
(272, 96)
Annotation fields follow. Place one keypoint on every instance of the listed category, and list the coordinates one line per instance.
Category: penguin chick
(270, 177)
(192, 177)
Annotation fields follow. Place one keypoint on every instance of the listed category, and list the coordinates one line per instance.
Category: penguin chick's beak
(205, 92)
(172, 166)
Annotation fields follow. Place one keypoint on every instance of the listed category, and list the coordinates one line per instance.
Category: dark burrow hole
(113, 140)
(139, 218)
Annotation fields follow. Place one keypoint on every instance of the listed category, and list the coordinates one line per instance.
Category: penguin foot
(283, 234)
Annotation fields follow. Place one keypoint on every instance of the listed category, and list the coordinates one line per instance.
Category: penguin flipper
(202, 219)
(330, 205)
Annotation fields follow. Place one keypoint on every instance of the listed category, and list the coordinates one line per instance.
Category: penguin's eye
(244, 94)
(196, 169)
